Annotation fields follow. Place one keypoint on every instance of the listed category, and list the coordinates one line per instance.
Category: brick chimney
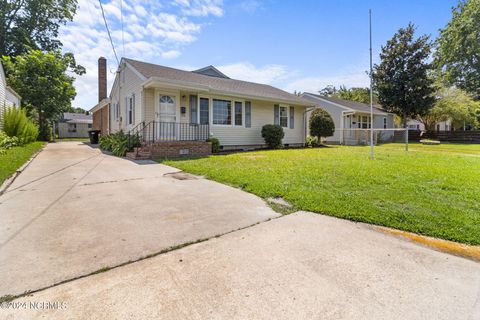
(102, 78)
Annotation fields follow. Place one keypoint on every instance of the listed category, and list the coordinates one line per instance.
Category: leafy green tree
(321, 124)
(458, 48)
(453, 104)
(43, 81)
(361, 95)
(402, 77)
(32, 24)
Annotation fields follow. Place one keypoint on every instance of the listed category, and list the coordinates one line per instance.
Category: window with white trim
(222, 112)
(238, 113)
(131, 109)
(72, 127)
(364, 122)
(283, 115)
(204, 112)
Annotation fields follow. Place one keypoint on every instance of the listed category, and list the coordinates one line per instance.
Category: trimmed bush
(273, 135)
(215, 144)
(17, 124)
(321, 124)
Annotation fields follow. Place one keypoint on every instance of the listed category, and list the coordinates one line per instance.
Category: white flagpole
(372, 154)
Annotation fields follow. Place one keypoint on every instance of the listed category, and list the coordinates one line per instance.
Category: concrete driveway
(301, 266)
(75, 210)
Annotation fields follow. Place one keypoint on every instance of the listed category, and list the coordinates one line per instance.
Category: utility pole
(372, 152)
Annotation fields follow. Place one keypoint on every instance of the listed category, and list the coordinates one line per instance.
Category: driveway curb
(8, 182)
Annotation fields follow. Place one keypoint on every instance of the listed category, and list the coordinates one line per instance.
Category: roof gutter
(153, 82)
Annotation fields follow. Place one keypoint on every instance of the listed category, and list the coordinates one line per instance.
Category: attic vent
(211, 71)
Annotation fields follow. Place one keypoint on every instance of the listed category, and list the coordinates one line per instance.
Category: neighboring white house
(74, 125)
(349, 116)
(8, 97)
(440, 126)
(172, 104)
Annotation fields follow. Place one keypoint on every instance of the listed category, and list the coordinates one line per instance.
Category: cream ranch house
(176, 111)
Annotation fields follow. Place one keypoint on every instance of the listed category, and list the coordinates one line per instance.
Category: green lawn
(15, 157)
(431, 190)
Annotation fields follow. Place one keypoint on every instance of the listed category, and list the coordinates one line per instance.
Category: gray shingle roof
(66, 116)
(232, 86)
(357, 106)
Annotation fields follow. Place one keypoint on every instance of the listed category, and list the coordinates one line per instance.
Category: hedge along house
(351, 118)
(177, 111)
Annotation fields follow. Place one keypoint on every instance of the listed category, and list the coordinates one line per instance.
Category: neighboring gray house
(74, 125)
(349, 117)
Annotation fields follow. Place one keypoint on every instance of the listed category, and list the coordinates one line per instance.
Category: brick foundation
(178, 149)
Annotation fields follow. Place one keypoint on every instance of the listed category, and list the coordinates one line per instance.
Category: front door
(167, 116)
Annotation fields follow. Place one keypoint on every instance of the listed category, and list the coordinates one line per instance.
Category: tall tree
(402, 77)
(32, 24)
(43, 81)
(458, 48)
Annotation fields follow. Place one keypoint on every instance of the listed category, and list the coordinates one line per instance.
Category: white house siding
(3, 89)
(336, 113)
(11, 99)
(81, 130)
(262, 113)
(126, 84)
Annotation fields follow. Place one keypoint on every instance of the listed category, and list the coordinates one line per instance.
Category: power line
(108, 31)
(121, 20)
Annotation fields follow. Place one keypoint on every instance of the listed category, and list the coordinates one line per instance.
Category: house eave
(155, 82)
(100, 105)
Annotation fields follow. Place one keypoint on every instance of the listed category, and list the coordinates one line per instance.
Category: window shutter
(292, 117)
(276, 114)
(126, 112)
(193, 109)
(133, 108)
(248, 114)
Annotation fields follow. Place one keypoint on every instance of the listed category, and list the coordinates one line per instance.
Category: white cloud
(152, 31)
(250, 6)
(171, 54)
(246, 71)
(201, 7)
(314, 84)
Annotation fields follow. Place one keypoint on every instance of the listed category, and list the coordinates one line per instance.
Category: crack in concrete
(115, 181)
(8, 297)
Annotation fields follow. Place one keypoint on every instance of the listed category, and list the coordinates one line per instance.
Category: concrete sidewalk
(75, 210)
(302, 266)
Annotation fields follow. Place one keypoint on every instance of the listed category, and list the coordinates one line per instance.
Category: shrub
(273, 135)
(321, 124)
(7, 142)
(215, 144)
(311, 141)
(119, 143)
(17, 124)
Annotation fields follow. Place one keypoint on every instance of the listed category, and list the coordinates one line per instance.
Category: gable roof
(347, 104)
(72, 117)
(211, 71)
(214, 84)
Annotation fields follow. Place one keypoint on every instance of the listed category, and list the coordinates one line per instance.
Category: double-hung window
(284, 117)
(238, 113)
(204, 117)
(222, 112)
(364, 122)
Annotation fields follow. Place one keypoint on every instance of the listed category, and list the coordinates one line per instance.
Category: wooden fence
(448, 136)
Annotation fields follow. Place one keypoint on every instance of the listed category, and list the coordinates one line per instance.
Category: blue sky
(294, 45)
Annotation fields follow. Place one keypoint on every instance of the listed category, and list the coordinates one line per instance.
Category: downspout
(308, 109)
